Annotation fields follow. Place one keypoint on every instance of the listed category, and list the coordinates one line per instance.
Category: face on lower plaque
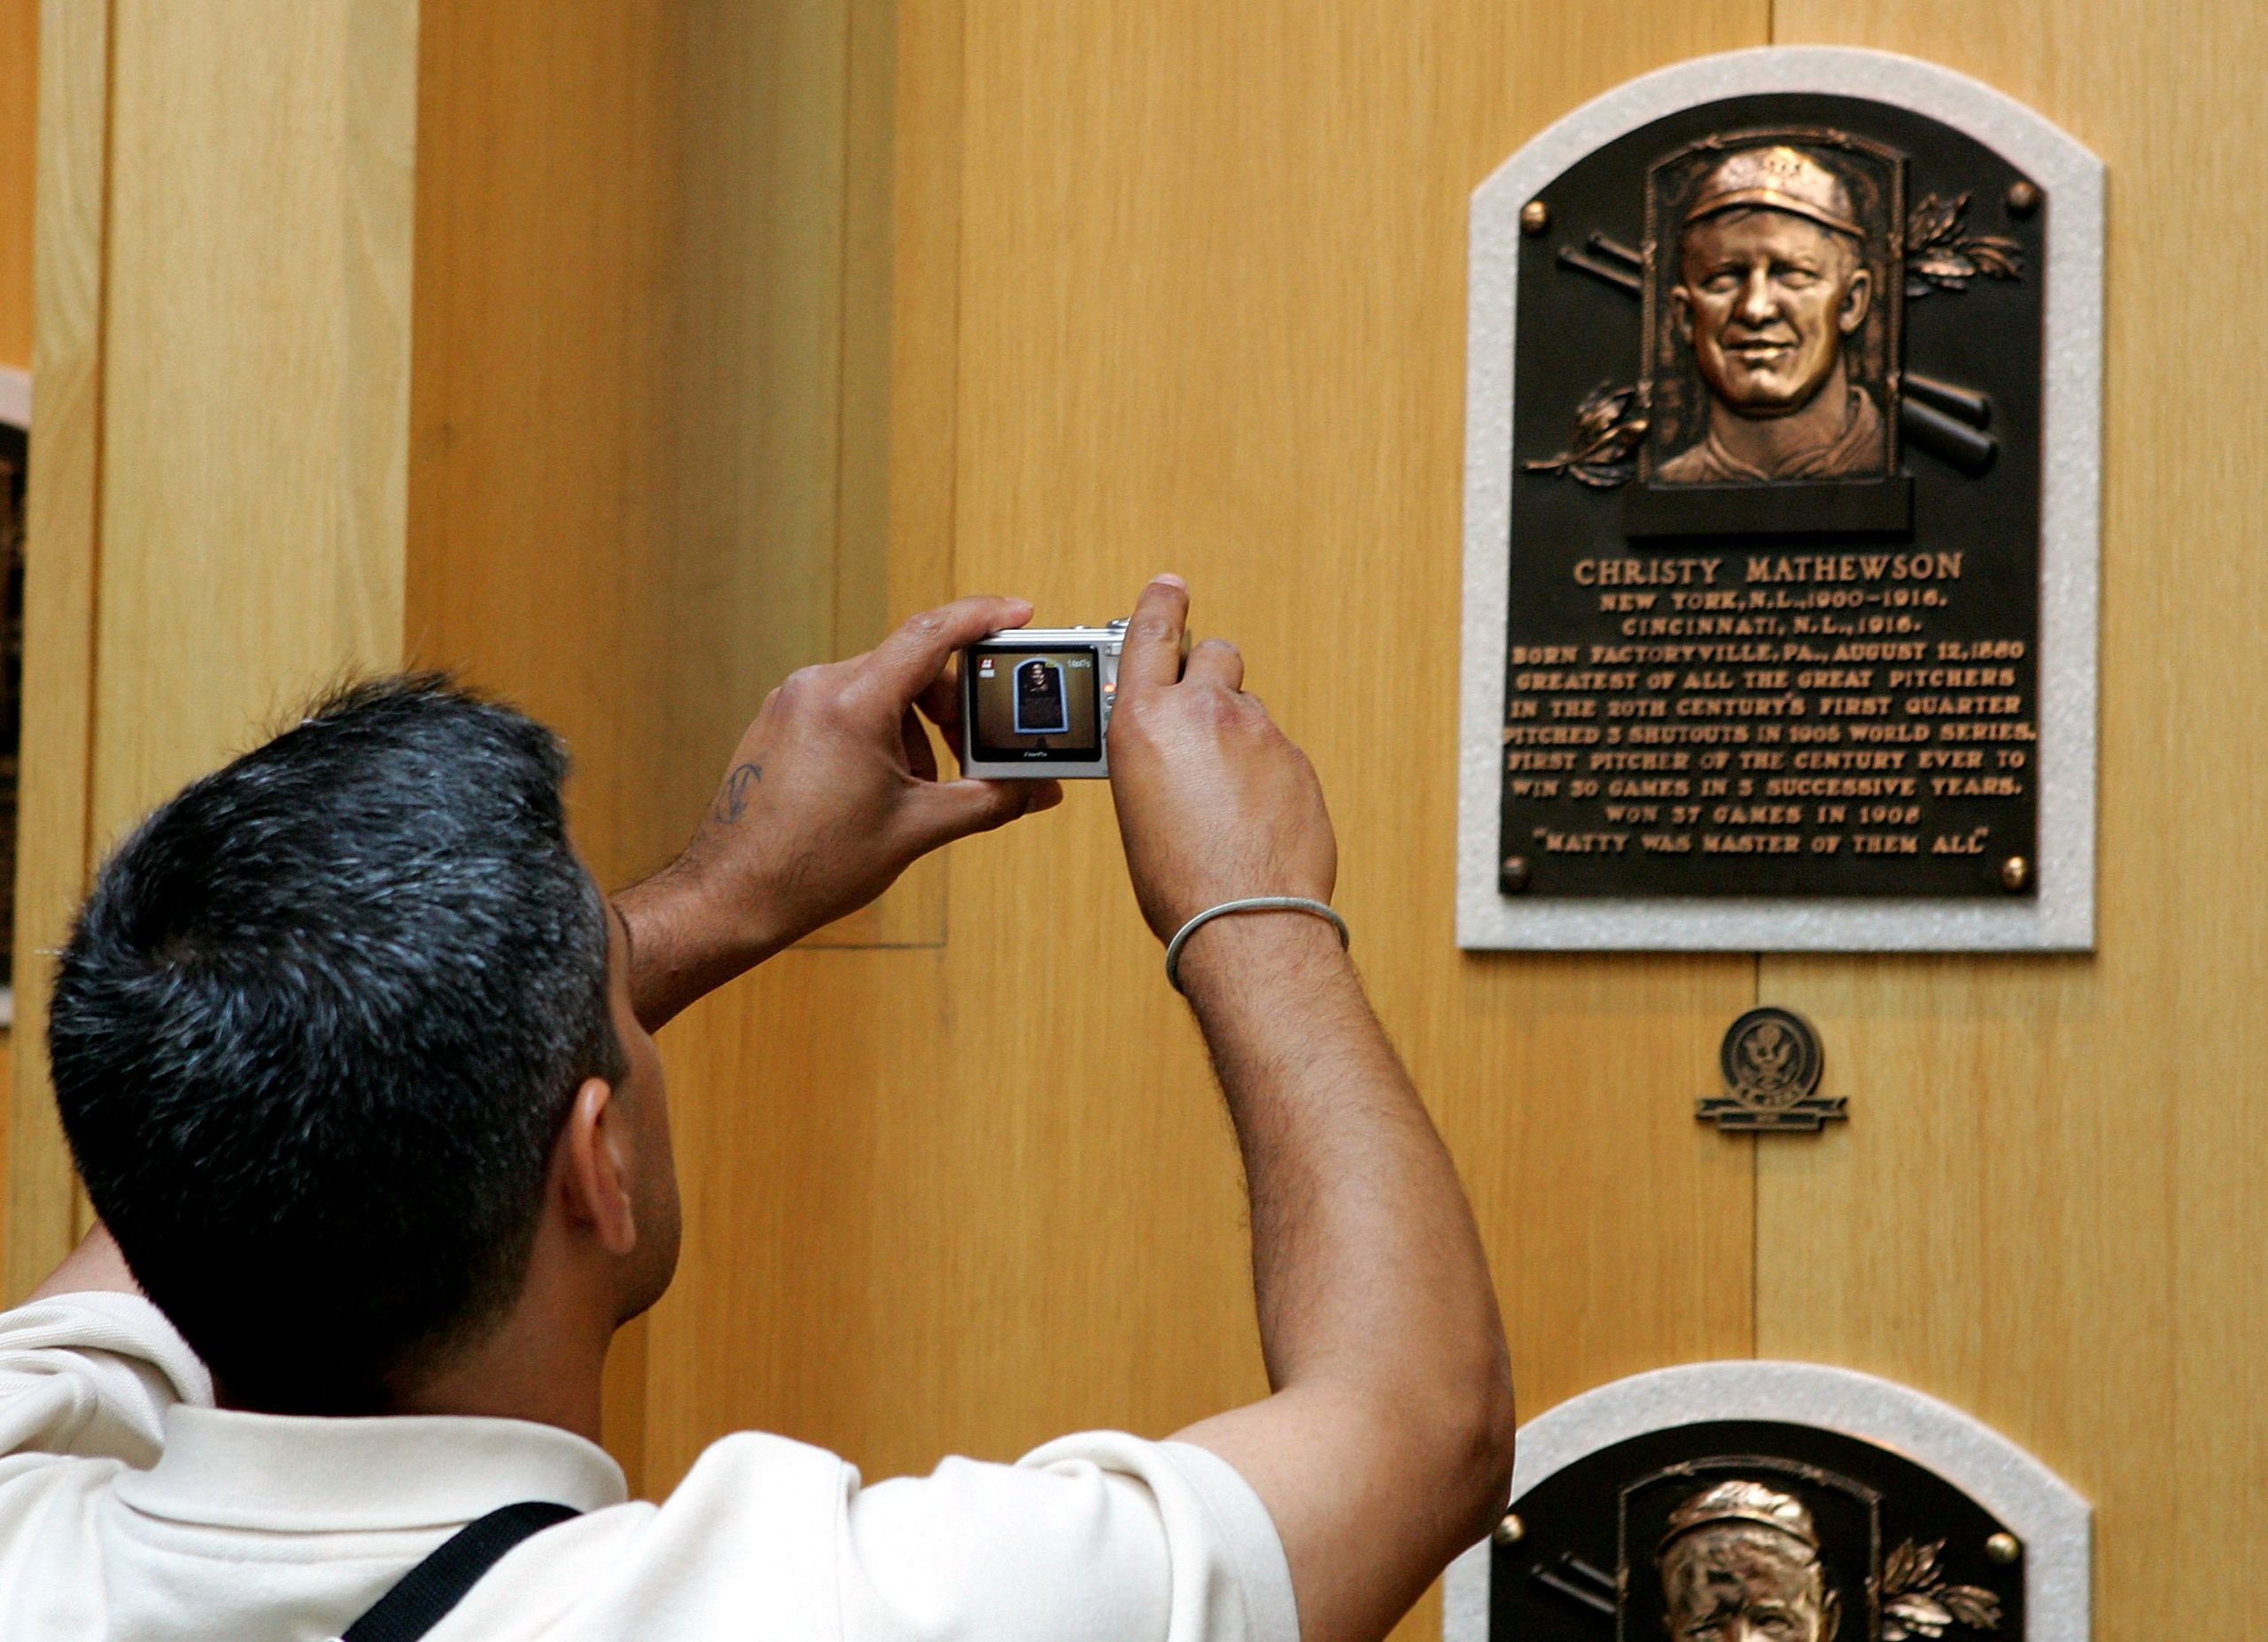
(1741, 1564)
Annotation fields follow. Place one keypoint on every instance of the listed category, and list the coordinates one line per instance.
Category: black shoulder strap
(427, 1591)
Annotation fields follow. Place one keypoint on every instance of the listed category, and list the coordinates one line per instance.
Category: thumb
(956, 809)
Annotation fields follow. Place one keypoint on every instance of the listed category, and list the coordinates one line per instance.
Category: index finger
(911, 659)
(1150, 656)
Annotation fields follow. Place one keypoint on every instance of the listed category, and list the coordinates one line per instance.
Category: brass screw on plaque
(1535, 217)
(2016, 872)
(1508, 1532)
(2023, 199)
(1514, 877)
(2004, 1547)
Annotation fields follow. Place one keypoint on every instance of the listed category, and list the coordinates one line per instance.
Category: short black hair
(317, 1029)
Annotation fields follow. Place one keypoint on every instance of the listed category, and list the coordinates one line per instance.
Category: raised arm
(833, 793)
(1387, 1447)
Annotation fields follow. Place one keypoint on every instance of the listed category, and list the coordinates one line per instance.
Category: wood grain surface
(540, 555)
(256, 389)
(227, 210)
(61, 551)
(19, 170)
(645, 383)
(1210, 319)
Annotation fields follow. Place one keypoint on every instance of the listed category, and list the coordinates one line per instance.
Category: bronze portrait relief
(1741, 1562)
(1771, 316)
(1760, 1501)
(1753, 1532)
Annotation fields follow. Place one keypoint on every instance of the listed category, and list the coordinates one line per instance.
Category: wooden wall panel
(634, 329)
(18, 168)
(225, 203)
(539, 556)
(1211, 287)
(258, 280)
(60, 553)
(2048, 1206)
(651, 422)
(1212, 319)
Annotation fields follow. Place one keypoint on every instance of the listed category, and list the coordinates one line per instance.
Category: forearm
(1386, 1448)
(1367, 1266)
(832, 793)
(686, 940)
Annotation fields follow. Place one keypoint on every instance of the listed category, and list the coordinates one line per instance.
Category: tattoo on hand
(732, 802)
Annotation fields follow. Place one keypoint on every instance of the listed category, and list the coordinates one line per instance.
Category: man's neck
(545, 1362)
(552, 1387)
(1768, 443)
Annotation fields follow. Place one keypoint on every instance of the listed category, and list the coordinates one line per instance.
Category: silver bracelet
(1255, 903)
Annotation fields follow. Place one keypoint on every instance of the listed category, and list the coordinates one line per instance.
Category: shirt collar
(292, 1473)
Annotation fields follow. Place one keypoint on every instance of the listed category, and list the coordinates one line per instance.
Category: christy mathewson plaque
(1780, 518)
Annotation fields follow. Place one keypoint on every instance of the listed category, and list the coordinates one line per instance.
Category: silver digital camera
(1035, 702)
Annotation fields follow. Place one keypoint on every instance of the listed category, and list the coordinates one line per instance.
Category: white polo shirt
(133, 1510)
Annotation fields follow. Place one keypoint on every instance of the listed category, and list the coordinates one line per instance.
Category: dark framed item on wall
(1782, 474)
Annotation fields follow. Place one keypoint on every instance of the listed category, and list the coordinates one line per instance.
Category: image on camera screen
(1041, 707)
(1035, 704)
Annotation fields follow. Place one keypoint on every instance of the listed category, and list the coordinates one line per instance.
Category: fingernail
(1169, 580)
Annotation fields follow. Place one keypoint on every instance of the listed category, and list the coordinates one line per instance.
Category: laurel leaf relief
(1917, 1601)
(1609, 425)
(1942, 255)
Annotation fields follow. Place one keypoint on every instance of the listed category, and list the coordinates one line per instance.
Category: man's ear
(1858, 296)
(594, 1167)
(1682, 305)
(1831, 1615)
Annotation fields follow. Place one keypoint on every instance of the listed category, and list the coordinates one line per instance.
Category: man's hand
(1215, 803)
(833, 793)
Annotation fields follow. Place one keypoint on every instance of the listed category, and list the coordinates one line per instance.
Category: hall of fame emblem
(1772, 1060)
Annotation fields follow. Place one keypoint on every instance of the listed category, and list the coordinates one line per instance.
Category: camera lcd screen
(1035, 705)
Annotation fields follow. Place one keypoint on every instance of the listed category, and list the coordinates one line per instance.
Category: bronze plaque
(1758, 1501)
(1771, 1060)
(1773, 620)
(1752, 1528)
